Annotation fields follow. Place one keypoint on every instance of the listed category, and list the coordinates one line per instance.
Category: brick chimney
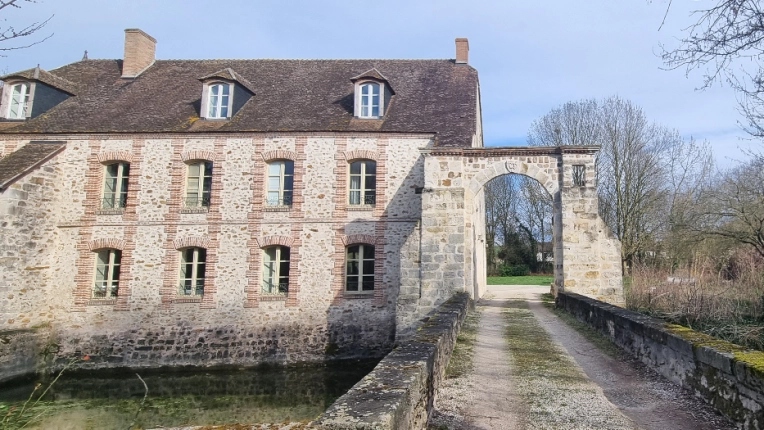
(462, 50)
(140, 50)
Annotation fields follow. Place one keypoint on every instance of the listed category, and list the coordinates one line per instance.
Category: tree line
(660, 194)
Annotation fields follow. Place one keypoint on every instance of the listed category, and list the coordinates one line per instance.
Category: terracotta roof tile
(432, 96)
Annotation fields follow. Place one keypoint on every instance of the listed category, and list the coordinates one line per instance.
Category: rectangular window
(107, 274)
(192, 267)
(219, 98)
(276, 271)
(280, 183)
(363, 183)
(579, 175)
(359, 272)
(19, 101)
(370, 100)
(198, 185)
(115, 186)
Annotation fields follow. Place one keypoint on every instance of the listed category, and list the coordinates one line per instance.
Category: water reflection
(109, 399)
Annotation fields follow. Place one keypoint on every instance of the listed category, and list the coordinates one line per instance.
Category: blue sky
(531, 55)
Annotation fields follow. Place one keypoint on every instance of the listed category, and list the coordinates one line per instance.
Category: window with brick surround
(107, 274)
(18, 101)
(276, 271)
(219, 100)
(115, 185)
(359, 268)
(198, 185)
(280, 183)
(192, 268)
(363, 183)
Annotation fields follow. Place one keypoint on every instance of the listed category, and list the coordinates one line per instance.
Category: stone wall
(399, 393)
(52, 224)
(726, 375)
(23, 351)
(587, 256)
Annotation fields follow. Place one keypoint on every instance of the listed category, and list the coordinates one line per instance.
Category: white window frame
(25, 110)
(106, 280)
(362, 100)
(364, 192)
(365, 253)
(280, 191)
(215, 111)
(118, 199)
(206, 170)
(198, 264)
(273, 265)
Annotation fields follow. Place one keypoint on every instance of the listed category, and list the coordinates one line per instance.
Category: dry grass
(724, 299)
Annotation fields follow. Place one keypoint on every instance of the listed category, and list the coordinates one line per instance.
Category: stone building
(164, 212)
(178, 212)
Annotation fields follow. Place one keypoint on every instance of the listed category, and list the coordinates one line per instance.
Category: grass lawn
(521, 280)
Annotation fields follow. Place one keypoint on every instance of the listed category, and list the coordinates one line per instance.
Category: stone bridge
(453, 257)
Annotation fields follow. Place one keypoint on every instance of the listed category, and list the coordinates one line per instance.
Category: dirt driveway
(533, 371)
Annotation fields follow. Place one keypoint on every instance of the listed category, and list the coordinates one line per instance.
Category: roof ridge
(309, 59)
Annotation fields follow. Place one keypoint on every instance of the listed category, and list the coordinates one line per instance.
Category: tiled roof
(24, 159)
(229, 75)
(432, 96)
(373, 74)
(38, 74)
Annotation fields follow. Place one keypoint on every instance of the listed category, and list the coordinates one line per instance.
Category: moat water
(112, 399)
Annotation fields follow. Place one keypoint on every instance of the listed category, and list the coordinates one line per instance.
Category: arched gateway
(453, 257)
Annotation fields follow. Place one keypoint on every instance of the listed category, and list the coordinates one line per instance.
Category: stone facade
(426, 223)
(52, 225)
(587, 256)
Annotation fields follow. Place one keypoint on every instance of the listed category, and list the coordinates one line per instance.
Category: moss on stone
(698, 339)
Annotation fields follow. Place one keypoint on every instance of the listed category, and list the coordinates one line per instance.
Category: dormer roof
(229, 74)
(40, 75)
(370, 74)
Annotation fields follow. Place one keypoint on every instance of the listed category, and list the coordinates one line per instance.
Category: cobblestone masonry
(52, 224)
(427, 227)
(587, 256)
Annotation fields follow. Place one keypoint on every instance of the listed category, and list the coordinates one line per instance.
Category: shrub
(724, 300)
(518, 270)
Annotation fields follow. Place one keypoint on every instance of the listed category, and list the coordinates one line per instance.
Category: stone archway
(587, 255)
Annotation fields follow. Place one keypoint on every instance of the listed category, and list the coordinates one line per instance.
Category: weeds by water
(724, 299)
(31, 411)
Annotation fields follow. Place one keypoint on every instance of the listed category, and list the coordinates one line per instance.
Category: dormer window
(370, 101)
(219, 100)
(373, 95)
(31, 93)
(19, 101)
(224, 93)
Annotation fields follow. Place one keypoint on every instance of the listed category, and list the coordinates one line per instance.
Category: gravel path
(533, 371)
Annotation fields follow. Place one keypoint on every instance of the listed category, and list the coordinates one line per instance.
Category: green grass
(461, 361)
(521, 280)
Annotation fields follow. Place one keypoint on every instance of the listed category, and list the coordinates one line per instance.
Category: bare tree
(736, 205)
(726, 43)
(633, 166)
(691, 173)
(15, 37)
